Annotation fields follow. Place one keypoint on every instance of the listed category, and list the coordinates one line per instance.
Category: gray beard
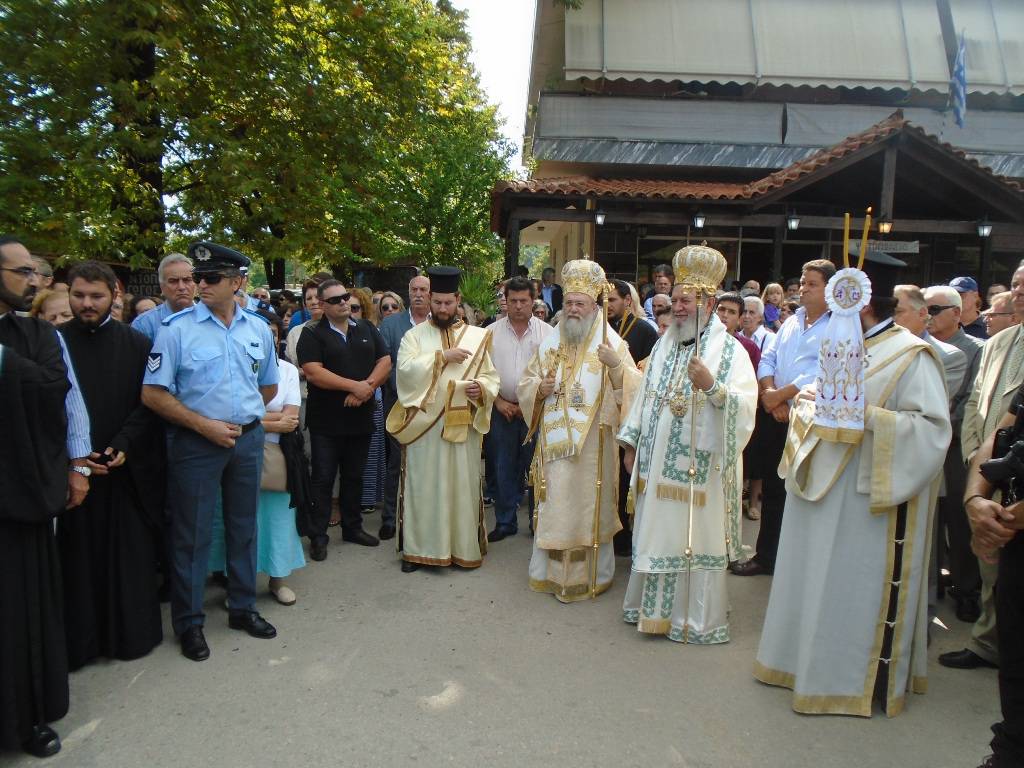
(575, 331)
(685, 332)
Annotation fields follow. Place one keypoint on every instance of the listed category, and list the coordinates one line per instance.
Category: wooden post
(888, 184)
(780, 234)
(511, 247)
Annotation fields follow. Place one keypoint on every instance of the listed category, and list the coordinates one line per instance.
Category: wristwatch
(83, 471)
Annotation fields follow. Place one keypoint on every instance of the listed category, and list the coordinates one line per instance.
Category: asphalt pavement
(445, 667)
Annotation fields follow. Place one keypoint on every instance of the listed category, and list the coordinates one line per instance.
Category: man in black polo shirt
(344, 361)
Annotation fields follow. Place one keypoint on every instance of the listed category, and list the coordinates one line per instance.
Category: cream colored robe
(848, 604)
(440, 503)
(569, 492)
(668, 593)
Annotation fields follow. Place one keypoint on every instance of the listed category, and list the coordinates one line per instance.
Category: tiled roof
(666, 189)
(878, 132)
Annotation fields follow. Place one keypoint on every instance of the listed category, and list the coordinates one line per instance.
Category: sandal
(753, 513)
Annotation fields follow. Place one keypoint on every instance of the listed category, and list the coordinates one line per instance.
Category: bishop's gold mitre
(700, 267)
(583, 276)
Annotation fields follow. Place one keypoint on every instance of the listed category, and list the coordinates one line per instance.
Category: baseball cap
(964, 284)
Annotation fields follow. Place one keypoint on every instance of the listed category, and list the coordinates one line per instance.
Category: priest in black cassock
(108, 545)
(33, 488)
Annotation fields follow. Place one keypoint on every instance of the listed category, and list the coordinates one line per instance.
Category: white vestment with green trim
(669, 593)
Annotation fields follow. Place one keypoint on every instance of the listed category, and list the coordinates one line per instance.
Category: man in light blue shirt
(210, 374)
(178, 289)
(789, 363)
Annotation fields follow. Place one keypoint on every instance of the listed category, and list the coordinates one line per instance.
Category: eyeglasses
(23, 271)
(997, 314)
(388, 307)
(336, 300)
(356, 307)
(936, 309)
(211, 278)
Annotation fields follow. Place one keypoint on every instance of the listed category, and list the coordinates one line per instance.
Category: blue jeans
(198, 474)
(511, 461)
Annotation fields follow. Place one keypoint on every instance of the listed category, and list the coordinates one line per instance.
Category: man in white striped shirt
(514, 340)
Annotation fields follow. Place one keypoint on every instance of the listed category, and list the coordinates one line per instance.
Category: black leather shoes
(408, 567)
(749, 568)
(386, 532)
(360, 537)
(193, 644)
(965, 659)
(499, 533)
(44, 742)
(252, 623)
(317, 550)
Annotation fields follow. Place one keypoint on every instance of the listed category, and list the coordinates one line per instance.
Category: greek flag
(958, 85)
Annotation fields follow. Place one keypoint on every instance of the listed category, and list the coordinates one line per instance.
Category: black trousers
(954, 530)
(773, 491)
(1008, 742)
(333, 454)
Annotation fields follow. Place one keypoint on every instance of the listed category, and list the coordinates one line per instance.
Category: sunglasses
(388, 307)
(935, 309)
(356, 307)
(336, 300)
(211, 278)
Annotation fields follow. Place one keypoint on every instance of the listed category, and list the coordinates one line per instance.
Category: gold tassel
(668, 492)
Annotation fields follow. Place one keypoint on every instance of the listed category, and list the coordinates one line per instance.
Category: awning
(839, 43)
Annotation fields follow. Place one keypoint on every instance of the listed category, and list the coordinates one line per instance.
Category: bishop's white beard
(685, 331)
(574, 331)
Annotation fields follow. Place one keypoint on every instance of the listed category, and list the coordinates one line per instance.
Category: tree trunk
(136, 112)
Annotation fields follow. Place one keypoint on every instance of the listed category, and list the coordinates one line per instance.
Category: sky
(502, 34)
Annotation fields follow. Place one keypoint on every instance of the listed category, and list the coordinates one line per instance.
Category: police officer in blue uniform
(210, 374)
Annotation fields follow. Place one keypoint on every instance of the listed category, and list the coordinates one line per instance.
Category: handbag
(275, 472)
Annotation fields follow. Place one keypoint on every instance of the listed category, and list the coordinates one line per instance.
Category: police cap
(211, 257)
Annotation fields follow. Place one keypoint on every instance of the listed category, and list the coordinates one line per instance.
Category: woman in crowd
(788, 308)
(278, 546)
(139, 305)
(51, 306)
(390, 304)
(362, 308)
(362, 305)
(540, 309)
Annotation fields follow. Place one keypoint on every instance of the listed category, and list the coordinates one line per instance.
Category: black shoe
(965, 659)
(193, 644)
(44, 742)
(968, 609)
(387, 531)
(252, 623)
(498, 534)
(361, 537)
(488, 501)
(409, 567)
(750, 568)
(317, 549)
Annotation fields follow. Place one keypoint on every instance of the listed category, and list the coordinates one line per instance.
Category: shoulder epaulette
(167, 320)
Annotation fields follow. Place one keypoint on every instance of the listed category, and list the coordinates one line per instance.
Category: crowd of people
(165, 443)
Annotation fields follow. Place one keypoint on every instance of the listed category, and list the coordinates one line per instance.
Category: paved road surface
(373, 667)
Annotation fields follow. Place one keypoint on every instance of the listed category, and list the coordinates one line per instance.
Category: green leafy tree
(335, 132)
